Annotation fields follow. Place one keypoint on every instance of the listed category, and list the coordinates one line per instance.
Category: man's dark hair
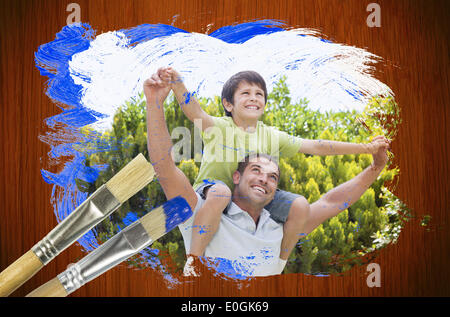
(242, 165)
(231, 85)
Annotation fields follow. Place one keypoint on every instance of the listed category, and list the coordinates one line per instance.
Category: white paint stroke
(111, 72)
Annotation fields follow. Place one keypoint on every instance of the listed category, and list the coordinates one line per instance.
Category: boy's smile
(248, 104)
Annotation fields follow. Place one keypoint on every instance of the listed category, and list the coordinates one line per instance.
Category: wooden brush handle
(52, 288)
(19, 272)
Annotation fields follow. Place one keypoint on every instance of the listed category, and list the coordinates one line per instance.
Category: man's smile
(259, 188)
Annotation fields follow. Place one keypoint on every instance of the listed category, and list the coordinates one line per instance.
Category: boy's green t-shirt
(225, 145)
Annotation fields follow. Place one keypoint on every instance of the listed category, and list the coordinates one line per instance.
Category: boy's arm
(343, 196)
(326, 147)
(172, 180)
(188, 103)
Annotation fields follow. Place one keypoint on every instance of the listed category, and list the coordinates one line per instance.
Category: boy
(228, 139)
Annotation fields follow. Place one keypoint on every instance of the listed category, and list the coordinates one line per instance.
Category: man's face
(249, 101)
(259, 181)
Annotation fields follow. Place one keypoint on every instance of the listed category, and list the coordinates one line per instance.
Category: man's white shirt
(251, 250)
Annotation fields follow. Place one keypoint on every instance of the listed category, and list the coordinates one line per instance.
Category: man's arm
(188, 103)
(326, 147)
(346, 194)
(172, 180)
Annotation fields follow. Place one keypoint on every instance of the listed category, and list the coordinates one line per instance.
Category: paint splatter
(242, 268)
(200, 229)
(344, 205)
(209, 181)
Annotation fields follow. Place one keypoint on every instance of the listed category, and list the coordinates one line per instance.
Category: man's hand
(346, 194)
(377, 143)
(157, 87)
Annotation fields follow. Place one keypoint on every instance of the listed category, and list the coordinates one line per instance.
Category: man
(246, 236)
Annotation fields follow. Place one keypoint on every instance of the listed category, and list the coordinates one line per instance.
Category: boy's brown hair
(231, 85)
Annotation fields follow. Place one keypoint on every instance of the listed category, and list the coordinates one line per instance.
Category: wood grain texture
(413, 39)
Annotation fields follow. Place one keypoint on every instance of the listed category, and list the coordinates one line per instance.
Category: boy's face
(249, 102)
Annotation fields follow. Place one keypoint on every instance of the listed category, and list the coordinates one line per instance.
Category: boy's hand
(379, 142)
(380, 158)
(175, 77)
(157, 87)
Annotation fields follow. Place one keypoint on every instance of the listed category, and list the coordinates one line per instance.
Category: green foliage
(371, 223)
(382, 116)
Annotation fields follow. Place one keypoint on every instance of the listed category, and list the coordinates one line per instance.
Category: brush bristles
(155, 223)
(161, 220)
(131, 178)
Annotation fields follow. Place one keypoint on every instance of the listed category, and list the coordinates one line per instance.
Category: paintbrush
(128, 242)
(104, 201)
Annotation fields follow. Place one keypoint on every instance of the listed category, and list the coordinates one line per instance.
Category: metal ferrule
(91, 212)
(117, 249)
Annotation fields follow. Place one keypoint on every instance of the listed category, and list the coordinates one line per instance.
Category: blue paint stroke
(209, 181)
(188, 97)
(176, 211)
(52, 60)
(240, 151)
(344, 205)
(354, 92)
(202, 229)
(229, 269)
(267, 253)
(241, 33)
(303, 241)
(242, 268)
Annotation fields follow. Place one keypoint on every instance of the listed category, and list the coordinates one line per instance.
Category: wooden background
(413, 39)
